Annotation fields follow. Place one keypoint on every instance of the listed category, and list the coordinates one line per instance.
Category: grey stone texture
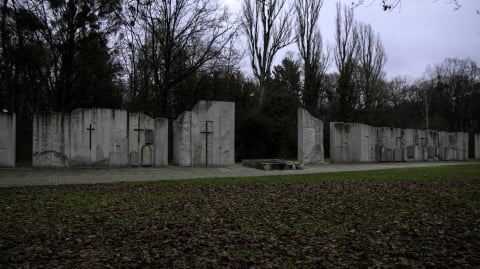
(477, 146)
(96, 137)
(310, 138)
(205, 136)
(140, 139)
(99, 137)
(7, 139)
(160, 146)
(51, 140)
(354, 142)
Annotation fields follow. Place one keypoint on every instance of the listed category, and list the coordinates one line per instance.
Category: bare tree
(371, 55)
(268, 30)
(310, 44)
(177, 38)
(345, 54)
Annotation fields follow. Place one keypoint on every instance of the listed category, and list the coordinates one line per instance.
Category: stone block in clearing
(310, 138)
(99, 137)
(477, 146)
(140, 139)
(205, 136)
(352, 142)
(51, 140)
(7, 139)
(161, 142)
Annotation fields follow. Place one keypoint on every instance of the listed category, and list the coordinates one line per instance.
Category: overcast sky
(416, 34)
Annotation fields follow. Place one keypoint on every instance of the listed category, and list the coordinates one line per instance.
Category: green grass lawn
(404, 217)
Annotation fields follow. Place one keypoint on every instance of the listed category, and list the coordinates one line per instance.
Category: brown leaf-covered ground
(398, 223)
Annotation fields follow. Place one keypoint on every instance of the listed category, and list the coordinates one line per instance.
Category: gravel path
(28, 176)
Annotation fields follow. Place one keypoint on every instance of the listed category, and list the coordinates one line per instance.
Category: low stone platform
(271, 164)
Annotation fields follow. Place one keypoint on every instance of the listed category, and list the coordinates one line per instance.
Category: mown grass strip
(385, 175)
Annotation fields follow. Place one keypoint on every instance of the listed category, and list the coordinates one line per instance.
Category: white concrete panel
(477, 146)
(51, 140)
(182, 141)
(310, 138)
(161, 142)
(7, 139)
(99, 137)
(140, 133)
(205, 136)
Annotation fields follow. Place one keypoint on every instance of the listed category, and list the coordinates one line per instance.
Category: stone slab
(99, 137)
(7, 139)
(51, 140)
(205, 136)
(140, 139)
(477, 146)
(161, 142)
(271, 164)
(310, 138)
(352, 142)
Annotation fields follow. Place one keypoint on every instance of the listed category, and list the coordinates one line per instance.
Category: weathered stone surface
(99, 137)
(453, 146)
(205, 136)
(140, 139)
(7, 139)
(161, 142)
(353, 142)
(477, 146)
(51, 140)
(182, 139)
(310, 138)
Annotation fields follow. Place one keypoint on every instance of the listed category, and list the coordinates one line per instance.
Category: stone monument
(160, 145)
(477, 146)
(354, 142)
(310, 138)
(51, 139)
(99, 137)
(140, 139)
(205, 136)
(7, 139)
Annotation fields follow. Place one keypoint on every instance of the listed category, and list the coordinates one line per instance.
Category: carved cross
(207, 132)
(90, 129)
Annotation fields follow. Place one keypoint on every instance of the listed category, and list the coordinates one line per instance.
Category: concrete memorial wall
(160, 144)
(95, 137)
(51, 139)
(354, 142)
(351, 143)
(7, 139)
(140, 139)
(99, 137)
(310, 138)
(205, 136)
(477, 146)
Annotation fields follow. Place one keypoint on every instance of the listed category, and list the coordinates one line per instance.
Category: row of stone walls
(99, 137)
(7, 139)
(354, 142)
